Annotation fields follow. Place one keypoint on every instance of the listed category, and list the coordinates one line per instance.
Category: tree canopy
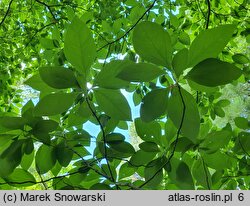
(69, 64)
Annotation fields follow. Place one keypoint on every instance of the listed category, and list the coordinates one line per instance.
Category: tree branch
(176, 140)
(208, 13)
(7, 12)
(130, 29)
(104, 140)
(48, 7)
(39, 30)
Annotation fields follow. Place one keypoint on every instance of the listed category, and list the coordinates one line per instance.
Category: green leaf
(191, 121)
(240, 59)
(209, 43)
(140, 72)
(58, 77)
(141, 158)
(28, 146)
(63, 154)
(149, 147)
(12, 123)
(45, 159)
(242, 143)
(242, 123)
(223, 161)
(11, 158)
(201, 174)
(147, 131)
(100, 186)
(180, 61)
(184, 38)
(37, 83)
(113, 103)
(153, 43)
(27, 160)
(215, 140)
(107, 77)
(126, 170)
(213, 72)
(122, 147)
(170, 130)
(44, 126)
(108, 170)
(154, 104)
(20, 176)
(79, 47)
(115, 137)
(223, 103)
(53, 104)
(181, 175)
(183, 145)
(153, 173)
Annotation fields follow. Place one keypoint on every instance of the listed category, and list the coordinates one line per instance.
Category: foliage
(180, 61)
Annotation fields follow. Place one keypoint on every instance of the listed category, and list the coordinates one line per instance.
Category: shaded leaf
(180, 61)
(63, 154)
(19, 176)
(12, 123)
(11, 158)
(154, 104)
(53, 104)
(240, 59)
(147, 131)
(45, 159)
(149, 147)
(180, 174)
(242, 123)
(216, 140)
(141, 158)
(58, 77)
(115, 137)
(213, 72)
(201, 174)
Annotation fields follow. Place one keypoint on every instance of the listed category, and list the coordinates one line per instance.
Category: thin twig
(130, 29)
(176, 140)
(48, 7)
(104, 140)
(208, 13)
(7, 12)
(38, 31)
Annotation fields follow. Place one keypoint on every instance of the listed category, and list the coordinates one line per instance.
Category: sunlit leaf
(153, 43)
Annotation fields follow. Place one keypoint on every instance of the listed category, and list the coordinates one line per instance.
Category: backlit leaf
(180, 61)
(113, 103)
(153, 43)
(53, 104)
(191, 118)
(45, 159)
(209, 43)
(140, 72)
(58, 77)
(154, 104)
(79, 47)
